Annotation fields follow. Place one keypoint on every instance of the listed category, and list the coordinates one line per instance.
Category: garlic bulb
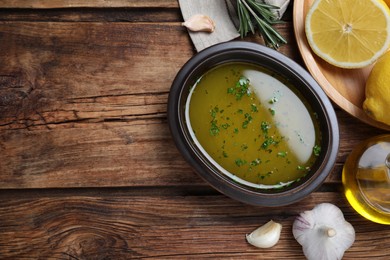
(200, 22)
(265, 236)
(323, 232)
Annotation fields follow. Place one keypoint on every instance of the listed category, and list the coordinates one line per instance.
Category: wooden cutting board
(345, 87)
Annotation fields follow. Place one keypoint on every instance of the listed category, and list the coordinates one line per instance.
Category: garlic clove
(265, 236)
(323, 232)
(200, 23)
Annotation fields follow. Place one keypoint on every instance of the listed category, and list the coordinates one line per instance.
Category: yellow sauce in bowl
(253, 125)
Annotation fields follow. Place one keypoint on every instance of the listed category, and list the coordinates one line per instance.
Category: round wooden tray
(345, 87)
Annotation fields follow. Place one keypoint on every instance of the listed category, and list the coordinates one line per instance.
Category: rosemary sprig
(253, 14)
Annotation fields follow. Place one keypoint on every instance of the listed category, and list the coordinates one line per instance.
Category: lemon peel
(377, 102)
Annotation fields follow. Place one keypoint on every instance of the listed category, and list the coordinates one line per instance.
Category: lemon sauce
(253, 125)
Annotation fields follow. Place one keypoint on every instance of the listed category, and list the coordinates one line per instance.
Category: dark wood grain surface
(88, 169)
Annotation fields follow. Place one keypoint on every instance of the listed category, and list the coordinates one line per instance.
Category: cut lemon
(348, 33)
(377, 90)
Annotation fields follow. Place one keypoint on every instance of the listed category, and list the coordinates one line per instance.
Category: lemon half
(348, 33)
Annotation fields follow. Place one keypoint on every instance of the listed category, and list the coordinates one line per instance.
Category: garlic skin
(200, 23)
(265, 236)
(323, 232)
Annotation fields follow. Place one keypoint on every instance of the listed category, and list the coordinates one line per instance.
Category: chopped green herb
(240, 89)
(317, 150)
(254, 108)
(240, 162)
(235, 130)
(303, 168)
(273, 100)
(272, 111)
(255, 162)
(225, 126)
(244, 147)
(276, 96)
(264, 127)
(282, 154)
(214, 111)
(248, 116)
(214, 129)
(224, 153)
(248, 119)
(269, 141)
(263, 176)
(240, 111)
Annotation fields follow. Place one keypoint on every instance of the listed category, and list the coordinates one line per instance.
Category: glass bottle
(366, 179)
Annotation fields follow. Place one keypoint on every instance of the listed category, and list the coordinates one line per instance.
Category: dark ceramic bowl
(276, 62)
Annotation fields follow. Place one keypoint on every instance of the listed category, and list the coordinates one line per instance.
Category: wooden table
(88, 169)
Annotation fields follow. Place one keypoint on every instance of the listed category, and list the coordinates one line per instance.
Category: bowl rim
(227, 186)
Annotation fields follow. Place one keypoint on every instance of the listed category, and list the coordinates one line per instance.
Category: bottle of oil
(366, 179)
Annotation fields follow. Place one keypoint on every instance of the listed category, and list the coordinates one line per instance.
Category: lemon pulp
(348, 33)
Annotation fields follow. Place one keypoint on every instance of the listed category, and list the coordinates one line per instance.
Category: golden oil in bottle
(366, 179)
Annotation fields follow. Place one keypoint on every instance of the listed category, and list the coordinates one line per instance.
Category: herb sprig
(254, 14)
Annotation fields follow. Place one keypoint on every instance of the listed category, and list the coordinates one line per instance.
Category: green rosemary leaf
(247, 18)
(254, 15)
(274, 33)
(243, 26)
(250, 24)
(265, 11)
